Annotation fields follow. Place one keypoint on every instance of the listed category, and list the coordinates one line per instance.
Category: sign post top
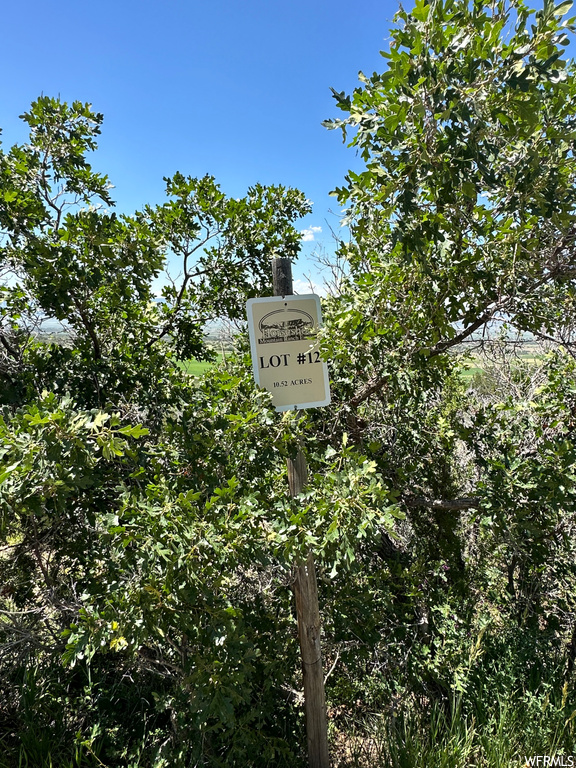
(285, 357)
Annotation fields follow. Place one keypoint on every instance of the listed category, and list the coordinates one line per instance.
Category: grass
(474, 367)
(471, 370)
(198, 367)
(499, 732)
(512, 731)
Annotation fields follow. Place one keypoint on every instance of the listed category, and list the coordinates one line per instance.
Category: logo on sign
(286, 325)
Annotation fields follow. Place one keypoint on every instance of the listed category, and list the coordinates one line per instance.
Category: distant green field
(471, 370)
(473, 367)
(196, 368)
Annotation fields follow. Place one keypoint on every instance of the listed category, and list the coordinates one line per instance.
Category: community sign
(285, 355)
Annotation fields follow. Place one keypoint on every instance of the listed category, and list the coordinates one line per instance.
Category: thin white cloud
(308, 234)
(304, 286)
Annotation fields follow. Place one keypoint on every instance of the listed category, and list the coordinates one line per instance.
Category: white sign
(285, 355)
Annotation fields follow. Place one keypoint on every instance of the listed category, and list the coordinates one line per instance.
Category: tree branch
(90, 330)
(188, 276)
(9, 348)
(454, 505)
(446, 344)
(558, 270)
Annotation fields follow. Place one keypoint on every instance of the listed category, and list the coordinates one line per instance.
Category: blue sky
(235, 89)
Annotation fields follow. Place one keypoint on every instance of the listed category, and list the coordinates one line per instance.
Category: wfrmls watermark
(547, 761)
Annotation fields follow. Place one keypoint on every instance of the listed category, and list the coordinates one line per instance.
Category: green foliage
(162, 562)
(147, 538)
(74, 260)
(465, 210)
(146, 616)
(462, 219)
(113, 572)
(513, 728)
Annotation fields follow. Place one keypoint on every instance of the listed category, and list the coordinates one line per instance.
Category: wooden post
(306, 592)
(282, 276)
